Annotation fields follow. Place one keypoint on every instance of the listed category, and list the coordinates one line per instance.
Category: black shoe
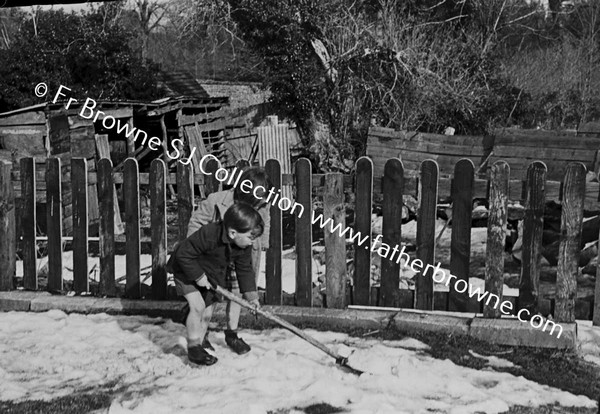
(206, 343)
(237, 344)
(198, 355)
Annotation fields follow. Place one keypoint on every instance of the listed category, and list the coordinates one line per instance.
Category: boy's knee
(197, 309)
(197, 305)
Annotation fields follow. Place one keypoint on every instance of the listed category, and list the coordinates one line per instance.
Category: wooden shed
(52, 130)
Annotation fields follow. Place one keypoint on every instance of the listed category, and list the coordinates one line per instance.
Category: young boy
(204, 258)
(212, 209)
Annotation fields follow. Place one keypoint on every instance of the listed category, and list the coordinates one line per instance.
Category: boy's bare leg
(196, 325)
(233, 312)
(198, 319)
(233, 309)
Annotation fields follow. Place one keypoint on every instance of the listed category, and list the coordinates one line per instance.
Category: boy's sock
(230, 333)
(236, 343)
(194, 342)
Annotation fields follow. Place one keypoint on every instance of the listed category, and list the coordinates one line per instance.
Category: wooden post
(596, 310)
(103, 151)
(211, 184)
(362, 214)
(158, 219)
(54, 219)
(131, 192)
(8, 241)
(570, 242)
(460, 241)
(130, 139)
(497, 220)
(107, 227)
(428, 190)
(303, 178)
(185, 197)
(79, 188)
(533, 227)
(242, 164)
(28, 223)
(335, 246)
(393, 189)
(165, 145)
(273, 259)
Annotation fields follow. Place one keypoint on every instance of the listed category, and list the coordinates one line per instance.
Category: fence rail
(338, 294)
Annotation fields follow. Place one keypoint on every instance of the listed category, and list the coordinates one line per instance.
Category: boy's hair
(258, 177)
(242, 217)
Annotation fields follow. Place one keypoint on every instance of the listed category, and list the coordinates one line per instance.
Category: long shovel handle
(279, 321)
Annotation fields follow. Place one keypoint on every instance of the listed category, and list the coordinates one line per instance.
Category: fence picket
(131, 192)
(158, 230)
(335, 246)
(533, 227)
(460, 239)
(241, 164)
(273, 263)
(362, 225)
(497, 220)
(54, 215)
(8, 242)
(426, 217)
(211, 184)
(185, 197)
(107, 202)
(28, 223)
(596, 311)
(79, 187)
(304, 258)
(393, 190)
(570, 239)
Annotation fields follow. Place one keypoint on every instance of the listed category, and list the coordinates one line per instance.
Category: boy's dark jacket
(209, 251)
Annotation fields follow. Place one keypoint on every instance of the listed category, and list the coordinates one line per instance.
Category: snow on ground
(588, 338)
(143, 362)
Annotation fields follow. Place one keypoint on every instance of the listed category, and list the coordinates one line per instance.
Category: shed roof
(181, 83)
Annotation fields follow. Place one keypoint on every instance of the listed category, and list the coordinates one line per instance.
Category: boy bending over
(212, 209)
(204, 258)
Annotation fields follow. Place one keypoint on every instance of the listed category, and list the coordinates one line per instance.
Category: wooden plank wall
(415, 147)
(518, 148)
(242, 143)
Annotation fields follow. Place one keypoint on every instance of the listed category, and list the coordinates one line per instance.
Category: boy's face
(241, 240)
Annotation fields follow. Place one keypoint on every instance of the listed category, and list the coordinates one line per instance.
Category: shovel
(340, 360)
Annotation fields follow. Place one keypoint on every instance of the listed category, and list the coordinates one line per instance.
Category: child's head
(243, 224)
(260, 181)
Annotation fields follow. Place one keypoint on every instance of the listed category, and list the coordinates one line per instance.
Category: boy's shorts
(184, 288)
(210, 296)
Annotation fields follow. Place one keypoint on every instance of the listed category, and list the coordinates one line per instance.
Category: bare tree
(150, 15)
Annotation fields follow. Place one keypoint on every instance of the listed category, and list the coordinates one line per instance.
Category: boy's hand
(203, 282)
(256, 304)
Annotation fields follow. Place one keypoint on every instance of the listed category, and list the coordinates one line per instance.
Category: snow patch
(142, 361)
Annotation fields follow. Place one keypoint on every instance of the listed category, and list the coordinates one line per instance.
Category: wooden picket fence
(463, 188)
